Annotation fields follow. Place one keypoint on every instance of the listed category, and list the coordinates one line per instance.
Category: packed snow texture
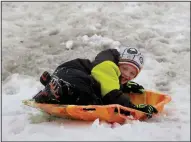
(38, 36)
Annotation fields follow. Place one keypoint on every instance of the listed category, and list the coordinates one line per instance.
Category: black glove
(132, 87)
(149, 109)
(45, 78)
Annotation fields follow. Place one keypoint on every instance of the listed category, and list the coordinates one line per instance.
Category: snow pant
(85, 90)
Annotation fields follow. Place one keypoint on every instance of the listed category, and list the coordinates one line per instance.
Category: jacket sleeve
(107, 74)
(117, 97)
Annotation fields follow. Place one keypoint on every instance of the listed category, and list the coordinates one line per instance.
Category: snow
(37, 35)
(69, 44)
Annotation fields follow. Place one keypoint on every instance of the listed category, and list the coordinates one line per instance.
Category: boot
(56, 91)
(45, 78)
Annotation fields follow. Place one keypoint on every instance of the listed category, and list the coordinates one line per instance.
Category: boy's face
(128, 72)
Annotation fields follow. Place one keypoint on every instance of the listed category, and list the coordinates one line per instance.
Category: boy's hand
(132, 87)
(147, 108)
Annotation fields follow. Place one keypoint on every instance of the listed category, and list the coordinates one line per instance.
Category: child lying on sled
(100, 82)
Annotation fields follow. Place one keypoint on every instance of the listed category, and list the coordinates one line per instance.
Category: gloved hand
(45, 78)
(132, 87)
(147, 108)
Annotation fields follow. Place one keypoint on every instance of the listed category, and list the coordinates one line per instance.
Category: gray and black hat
(131, 56)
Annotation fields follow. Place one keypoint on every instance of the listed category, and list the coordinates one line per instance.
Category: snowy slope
(38, 36)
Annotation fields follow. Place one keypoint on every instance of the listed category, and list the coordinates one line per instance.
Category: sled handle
(130, 117)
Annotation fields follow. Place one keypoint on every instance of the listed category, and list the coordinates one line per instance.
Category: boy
(100, 82)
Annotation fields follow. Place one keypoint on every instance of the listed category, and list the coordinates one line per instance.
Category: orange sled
(109, 113)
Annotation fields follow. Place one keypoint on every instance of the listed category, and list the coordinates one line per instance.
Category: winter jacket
(105, 70)
(102, 74)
